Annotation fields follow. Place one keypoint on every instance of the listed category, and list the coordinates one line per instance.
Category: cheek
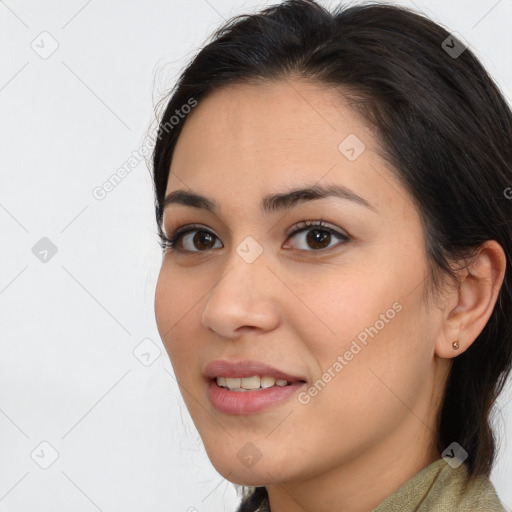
(364, 324)
(342, 304)
(176, 312)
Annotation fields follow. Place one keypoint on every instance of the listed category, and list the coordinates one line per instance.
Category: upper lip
(246, 368)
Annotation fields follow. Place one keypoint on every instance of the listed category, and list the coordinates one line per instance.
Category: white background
(68, 374)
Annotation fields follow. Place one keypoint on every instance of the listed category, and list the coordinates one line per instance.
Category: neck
(366, 480)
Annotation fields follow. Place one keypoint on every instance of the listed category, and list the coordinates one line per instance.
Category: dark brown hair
(443, 125)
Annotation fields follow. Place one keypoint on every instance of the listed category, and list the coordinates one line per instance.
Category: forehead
(248, 140)
(261, 122)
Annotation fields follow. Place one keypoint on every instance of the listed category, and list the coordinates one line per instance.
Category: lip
(251, 401)
(246, 368)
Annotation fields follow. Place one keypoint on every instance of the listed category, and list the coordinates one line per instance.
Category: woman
(335, 292)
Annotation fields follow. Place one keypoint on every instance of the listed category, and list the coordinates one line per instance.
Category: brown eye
(203, 240)
(315, 236)
(193, 240)
(318, 239)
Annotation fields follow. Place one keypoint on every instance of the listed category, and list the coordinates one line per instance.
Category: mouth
(252, 383)
(245, 387)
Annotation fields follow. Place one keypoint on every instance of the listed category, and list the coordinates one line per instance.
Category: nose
(244, 298)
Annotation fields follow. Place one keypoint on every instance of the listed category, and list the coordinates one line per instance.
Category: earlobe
(447, 349)
(473, 301)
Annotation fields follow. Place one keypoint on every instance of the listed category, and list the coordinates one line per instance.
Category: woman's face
(338, 308)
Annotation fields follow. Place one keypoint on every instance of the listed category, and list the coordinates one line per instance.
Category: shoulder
(441, 488)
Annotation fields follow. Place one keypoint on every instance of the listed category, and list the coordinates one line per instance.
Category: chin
(233, 470)
(247, 478)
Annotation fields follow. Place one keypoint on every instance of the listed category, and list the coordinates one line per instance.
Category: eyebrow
(272, 202)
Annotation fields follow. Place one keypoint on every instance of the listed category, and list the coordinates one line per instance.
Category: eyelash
(170, 243)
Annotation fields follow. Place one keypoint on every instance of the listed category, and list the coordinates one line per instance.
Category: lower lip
(246, 402)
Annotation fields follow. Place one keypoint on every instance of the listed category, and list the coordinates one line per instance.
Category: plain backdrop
(90, 414)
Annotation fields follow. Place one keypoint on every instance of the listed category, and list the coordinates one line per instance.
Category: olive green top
(440, 488)
(436, 488)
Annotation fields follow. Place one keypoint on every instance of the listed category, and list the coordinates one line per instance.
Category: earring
(455, 345)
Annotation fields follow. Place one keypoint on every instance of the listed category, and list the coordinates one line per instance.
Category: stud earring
(455, 345)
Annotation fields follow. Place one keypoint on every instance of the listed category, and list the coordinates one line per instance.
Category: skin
(297, 307)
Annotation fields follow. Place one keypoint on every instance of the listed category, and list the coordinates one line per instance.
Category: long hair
(441, 122)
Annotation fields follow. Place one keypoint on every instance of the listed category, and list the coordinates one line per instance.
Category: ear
(471, 303)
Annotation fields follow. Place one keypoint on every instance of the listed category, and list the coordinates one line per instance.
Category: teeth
(248, 383)
(267, 382)
(232, 383)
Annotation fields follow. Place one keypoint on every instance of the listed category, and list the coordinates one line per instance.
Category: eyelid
(303, 225)
(192, 227)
